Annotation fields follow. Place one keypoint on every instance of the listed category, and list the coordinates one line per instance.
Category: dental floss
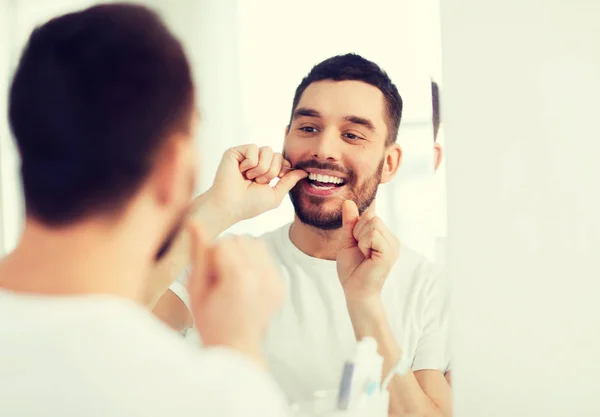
(338, 195)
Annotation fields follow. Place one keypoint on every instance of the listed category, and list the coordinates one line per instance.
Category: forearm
(214, 219)
(406, 395)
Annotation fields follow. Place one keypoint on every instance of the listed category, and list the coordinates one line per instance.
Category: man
(343, 128)
(102, 111)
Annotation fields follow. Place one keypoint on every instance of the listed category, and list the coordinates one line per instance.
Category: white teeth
(325, 178)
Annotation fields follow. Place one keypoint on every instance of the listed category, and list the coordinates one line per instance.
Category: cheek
(362, 167)
(294, 152)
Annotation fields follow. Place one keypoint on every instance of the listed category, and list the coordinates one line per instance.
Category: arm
(423, 392)
(365, 258)
(240, 191)
(215, 220)
(165, 303)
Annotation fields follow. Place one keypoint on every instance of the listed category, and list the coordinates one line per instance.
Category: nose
(327, 146)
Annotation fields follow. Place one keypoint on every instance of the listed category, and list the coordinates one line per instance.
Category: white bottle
(367, 366)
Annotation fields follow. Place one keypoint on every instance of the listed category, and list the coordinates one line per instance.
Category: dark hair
(353, 67)
(435, 115)
(95, 95)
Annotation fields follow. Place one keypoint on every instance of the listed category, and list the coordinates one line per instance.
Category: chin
(321, 219)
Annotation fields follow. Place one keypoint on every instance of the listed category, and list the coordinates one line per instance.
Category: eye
(308, 129)
(351, 136)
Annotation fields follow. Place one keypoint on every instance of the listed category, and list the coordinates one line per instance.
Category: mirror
(247, 86)
(249, 57)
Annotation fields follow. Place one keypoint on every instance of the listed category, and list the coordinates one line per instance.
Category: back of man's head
(95, 95)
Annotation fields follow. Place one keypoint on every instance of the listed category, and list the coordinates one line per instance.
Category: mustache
(326, 166)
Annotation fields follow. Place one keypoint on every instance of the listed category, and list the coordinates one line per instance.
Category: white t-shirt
(311, 336)
(104, 356)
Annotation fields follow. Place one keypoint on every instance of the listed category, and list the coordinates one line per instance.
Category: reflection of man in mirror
(342, 131)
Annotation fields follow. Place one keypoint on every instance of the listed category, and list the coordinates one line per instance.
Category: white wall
(522, 82)
(4, 75)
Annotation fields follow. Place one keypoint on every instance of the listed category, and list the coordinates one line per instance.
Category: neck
(315, 242)
(88, 258)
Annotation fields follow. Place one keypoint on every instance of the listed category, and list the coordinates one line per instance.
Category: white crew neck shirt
(102, 356)
(312, 335)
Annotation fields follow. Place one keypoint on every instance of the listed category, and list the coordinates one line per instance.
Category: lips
(323, 180)
(321, 189)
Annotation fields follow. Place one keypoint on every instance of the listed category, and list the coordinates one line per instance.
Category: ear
(172, 167)
(392, 161)
(437, 148)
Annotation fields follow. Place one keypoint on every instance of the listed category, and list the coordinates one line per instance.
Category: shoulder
(413, 264)
(178, 379)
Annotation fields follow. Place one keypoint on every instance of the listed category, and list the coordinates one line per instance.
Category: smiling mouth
(324, 182)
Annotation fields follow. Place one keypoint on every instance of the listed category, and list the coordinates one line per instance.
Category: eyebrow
(306, 112)
(361, 121)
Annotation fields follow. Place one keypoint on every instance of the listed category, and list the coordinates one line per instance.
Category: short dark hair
(94, 96)
(353, 67)
(435, 115)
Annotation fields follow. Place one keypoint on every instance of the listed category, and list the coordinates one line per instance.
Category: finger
(361, 226)
(365, 226)
(379, 242)
(364, 222)
(265, 156)
(350, 217)
(365, 246)
(274, 169)
(224, 266)
(247, 156)
(288, 181)
(285, 168)
(373, 241)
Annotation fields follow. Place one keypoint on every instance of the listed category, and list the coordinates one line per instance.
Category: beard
(308, 208)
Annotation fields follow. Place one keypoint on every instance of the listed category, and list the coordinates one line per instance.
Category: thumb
(350, 216)
(288, 181)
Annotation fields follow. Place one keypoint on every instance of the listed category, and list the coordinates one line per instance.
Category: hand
(234, 291)
(241, 186)
(366, 254)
